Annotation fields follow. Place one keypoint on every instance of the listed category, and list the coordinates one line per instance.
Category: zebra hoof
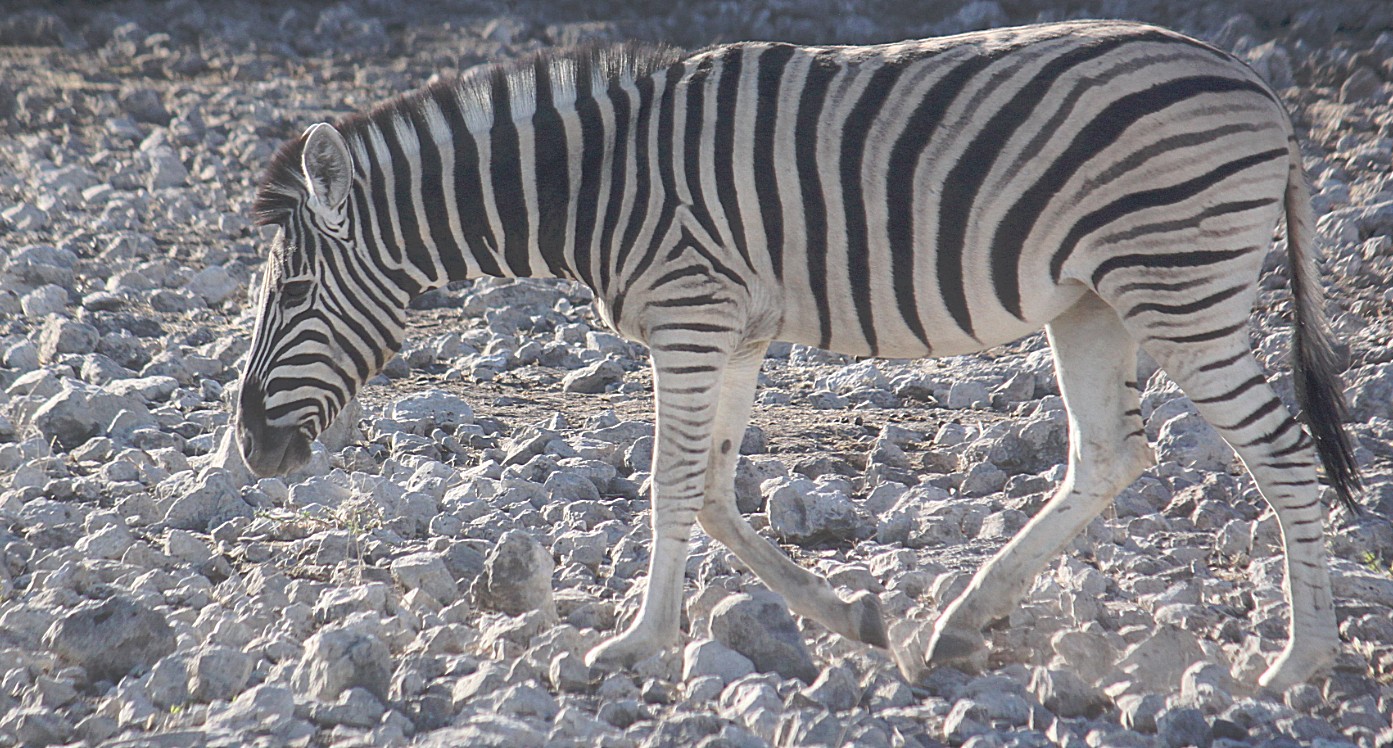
(955, 647)
(1293, 666)
(867, 620)
(622, 651)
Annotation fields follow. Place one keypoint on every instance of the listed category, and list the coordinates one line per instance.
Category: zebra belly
(894, 337)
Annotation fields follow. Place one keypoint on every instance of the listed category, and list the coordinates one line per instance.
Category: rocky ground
(436, 573)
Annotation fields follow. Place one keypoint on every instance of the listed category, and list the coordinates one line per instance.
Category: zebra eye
(295, 292)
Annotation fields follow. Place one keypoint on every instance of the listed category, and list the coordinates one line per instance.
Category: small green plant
(1378, 566)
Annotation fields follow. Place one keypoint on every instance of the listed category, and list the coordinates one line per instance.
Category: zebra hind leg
(1231, 392)
(806, 593)
(1095, 362)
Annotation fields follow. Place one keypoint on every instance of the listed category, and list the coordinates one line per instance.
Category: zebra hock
(1114, 183)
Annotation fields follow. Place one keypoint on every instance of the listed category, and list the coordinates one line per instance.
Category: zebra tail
(1316, 367)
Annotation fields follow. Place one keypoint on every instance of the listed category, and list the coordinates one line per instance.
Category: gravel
(478, 518)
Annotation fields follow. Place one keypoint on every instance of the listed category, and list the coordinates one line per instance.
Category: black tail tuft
(1315, 365)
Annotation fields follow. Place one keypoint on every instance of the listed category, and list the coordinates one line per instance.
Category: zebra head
(327, 319)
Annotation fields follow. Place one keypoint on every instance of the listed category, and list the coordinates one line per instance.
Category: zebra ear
(328, 166)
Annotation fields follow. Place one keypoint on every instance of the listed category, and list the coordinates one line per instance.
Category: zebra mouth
(269, 450)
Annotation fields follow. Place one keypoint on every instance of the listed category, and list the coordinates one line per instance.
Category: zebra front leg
(806, 593)
(1095, 362)
(685, 378)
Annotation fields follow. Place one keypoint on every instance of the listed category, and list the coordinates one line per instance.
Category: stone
(1139, 711)
(213, 285)
(759, 626)
(355, 707)
(484, 730)
(707, 657)
(337, 658)
(1189, 440)
(802, 512)
(567, 672)
(144, 105)
(836, 689)
(24, 217)
(166, 170)
(1177, 728)
(219, 673)
(40, 264)
(204, 501)
(1159, 660)
(426, 571)
(79, 411)
(1064, 693)
(43, 301)
(61, 336)
(593, 379)
(516, 578)
(111, 637)
(268, 707)
(424, 412)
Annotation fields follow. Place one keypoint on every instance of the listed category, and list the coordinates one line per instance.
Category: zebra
(1115, 183)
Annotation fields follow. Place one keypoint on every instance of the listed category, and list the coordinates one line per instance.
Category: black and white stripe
(1113, 182)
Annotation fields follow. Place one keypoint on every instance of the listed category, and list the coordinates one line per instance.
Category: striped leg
(807, 594)
(1231, 392)
(685, 376)
(1095, 361)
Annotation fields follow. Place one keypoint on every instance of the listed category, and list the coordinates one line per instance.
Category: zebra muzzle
(268, 450)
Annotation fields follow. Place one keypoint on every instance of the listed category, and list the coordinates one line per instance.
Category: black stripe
(432, 184)
(693, 369)
(1234, 393)
(904, 160)
(1147, 286)
(771, 70)
(505, 166)
(1189, 222)
(592, 153)
(1102, 131)
(403, 194)
(1276, 435)
(727, 88)
(688, 271)
(687, 301)
(815, 86)
(619, 169)
(1198, 258)
(688, 348)
(1264, 410)
(380, 206)
(691, 327)
(1189, 307)
(692, 128)
(469, 194)
(642, 179)
(857, 130)
(1225, 362)
(1204, 337)
(552, 175)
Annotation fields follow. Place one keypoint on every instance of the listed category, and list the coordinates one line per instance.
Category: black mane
(281, 188)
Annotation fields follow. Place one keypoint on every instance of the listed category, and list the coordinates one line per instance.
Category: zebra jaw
(267, 449)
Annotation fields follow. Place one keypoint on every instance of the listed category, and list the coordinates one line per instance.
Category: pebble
(759, 626)
(110, 638)
(338, 658)
(516, 577)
